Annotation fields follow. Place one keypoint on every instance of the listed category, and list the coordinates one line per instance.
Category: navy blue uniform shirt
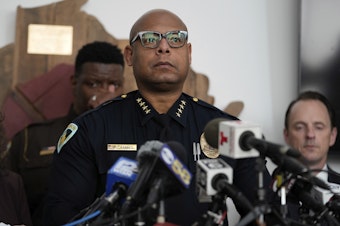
(90, 145)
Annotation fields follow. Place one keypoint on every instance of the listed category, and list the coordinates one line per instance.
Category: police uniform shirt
(93, 142)
(30, 155)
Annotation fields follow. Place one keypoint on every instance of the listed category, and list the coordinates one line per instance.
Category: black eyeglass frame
(141, 33)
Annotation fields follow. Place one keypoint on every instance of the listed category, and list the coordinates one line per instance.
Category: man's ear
(334, 134)
(189, 52)
(128, 55)
(285, 134)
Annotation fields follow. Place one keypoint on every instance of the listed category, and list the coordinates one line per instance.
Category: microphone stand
(281, 184)
(218, 205)
(263, 207)
(261, 192)
(161, 216)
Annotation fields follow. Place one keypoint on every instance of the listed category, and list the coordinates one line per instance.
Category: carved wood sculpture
(35, 87)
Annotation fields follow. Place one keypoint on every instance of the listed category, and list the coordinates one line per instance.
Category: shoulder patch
(67, 135)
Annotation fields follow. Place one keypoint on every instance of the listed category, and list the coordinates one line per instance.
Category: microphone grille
(149, 150)
(179, 150)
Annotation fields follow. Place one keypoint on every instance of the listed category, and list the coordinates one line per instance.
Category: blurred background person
(310, 128)
(13, 202)
(98, 77)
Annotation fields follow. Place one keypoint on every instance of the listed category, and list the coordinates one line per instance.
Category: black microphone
(302, 190)
(147, 159)
(162, 174)
(171, 176)
(334, 204)
(280, 157)
(237, 139)
(311, 199)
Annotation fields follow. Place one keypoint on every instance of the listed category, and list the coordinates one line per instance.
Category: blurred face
(309, 131)
(96, 84)
(163, 68)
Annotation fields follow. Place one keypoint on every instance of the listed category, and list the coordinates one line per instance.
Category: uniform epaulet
(119, 98)
(200, 102)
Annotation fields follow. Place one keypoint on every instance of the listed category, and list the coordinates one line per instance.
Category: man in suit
(310, 128)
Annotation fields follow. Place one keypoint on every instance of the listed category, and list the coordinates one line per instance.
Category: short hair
(313, 95)
(98, 52)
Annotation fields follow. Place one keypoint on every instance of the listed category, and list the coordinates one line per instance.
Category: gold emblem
(207, 149)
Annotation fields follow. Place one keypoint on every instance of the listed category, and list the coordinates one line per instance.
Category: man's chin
(166, 86)
(310, 160)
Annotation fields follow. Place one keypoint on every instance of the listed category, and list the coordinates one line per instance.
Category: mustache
(309, 143)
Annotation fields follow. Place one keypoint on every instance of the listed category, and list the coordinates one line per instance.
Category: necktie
(164, 121)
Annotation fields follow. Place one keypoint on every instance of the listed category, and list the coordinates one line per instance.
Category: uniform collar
(178, 111)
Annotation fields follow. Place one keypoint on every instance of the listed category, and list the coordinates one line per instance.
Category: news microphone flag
(230, 133)
(124, 171)
(206, 169)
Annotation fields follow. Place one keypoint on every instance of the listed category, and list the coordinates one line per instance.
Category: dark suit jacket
(333, 177)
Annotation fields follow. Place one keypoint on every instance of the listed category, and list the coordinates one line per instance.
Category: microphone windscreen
(148, 151)
(211, 131)
(179, 150)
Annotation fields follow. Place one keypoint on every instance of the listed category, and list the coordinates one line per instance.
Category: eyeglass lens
(175, 39)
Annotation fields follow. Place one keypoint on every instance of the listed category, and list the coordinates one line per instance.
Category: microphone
(171, 175)
(147, 159)
(302, 190)
(239, 139)
(215, 176)
(206, 171)
(119, 177)
(334, 204)
(161, 168)
(124, 171)
(214, 179)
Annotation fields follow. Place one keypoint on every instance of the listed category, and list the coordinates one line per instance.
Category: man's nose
(163, 47)
(310, 132)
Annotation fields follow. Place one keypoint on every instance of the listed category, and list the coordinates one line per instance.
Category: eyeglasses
(151, 39)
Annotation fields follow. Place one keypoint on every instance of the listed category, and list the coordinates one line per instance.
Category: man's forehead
(160, 21)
